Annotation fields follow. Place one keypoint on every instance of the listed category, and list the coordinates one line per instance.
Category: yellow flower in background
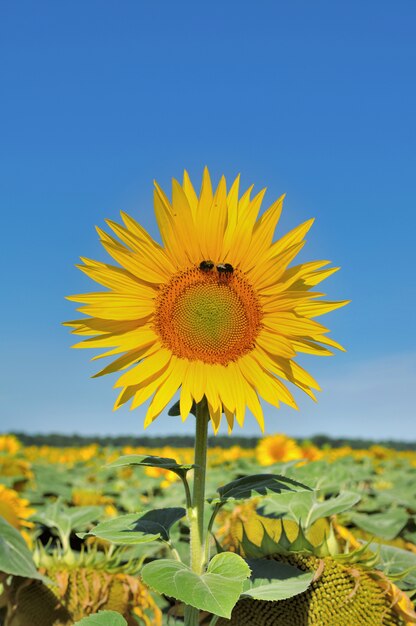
(9, 444)
(167, 477)
(275, 448)
(15, 467)
(215, 311)
(311, 452)
(16, 511)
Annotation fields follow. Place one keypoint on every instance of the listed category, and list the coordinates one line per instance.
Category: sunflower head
(9, 444)
(215, 311)
(14, 509)
(278, 447)
(340, 595)
(346, 589)
(76, 592)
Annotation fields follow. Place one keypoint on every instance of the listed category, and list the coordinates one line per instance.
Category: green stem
(209, 529)
(196, 511)
(187, 491)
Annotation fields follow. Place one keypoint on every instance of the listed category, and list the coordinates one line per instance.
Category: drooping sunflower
(215, 311)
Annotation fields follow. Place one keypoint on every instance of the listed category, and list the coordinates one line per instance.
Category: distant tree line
(186, 441)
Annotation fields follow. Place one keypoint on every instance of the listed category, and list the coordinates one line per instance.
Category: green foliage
(370, 496)
(259, 484)
(103, 618)
(151, 461)
(386, 525)
(15, 556)
(305, 507)
(274, 580)
(138, 528)
(215, 591)
(399, 563)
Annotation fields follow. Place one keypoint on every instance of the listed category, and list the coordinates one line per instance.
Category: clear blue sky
(316, 99)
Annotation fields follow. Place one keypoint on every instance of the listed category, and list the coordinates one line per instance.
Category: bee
(206, 266)
(225, 268)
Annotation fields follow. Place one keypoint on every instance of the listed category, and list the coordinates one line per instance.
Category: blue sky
(313, 99)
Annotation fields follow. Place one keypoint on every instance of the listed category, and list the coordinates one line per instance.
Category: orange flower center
(208, 316)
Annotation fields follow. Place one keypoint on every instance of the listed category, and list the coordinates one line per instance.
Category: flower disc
(207, 316)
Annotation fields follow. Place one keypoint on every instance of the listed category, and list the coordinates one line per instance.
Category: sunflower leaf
(215, 591)
(262, 484)
(386, 525)
(175, 411)
(135, 528)
(272, 580)
(161, 462)
(396, 562)
(304, 506)
(15, 557)
(103, 618)
(64, 518)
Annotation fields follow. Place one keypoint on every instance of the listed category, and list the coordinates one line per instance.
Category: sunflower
(215, 311)
(16, 511)
(275, 448)
(9, 443)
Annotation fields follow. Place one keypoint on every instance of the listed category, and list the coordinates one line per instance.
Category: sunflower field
(340, 550)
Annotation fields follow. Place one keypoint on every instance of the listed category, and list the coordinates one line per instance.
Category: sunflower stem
(196, 511)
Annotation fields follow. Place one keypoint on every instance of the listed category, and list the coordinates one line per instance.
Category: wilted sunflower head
(215, 310)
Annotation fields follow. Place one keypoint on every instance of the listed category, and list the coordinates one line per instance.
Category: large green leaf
(66, 519)
(304, 506)
(273, 580)
(103, 618)
(395, 561)
(386, 525)
(15, 557)
(138, 527)
(262, 484)
(151, 461)
(53, 479)
(216, 591)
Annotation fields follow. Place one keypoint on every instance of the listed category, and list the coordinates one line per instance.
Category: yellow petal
(263, 234)
(223, 379)
(190, 193)
(114, 306)
(271, 271)
(116, 278)
(127, 359)
(215, 224)
(167, 390)
(313, 309)
(230, 419)
(232, 219)
(243, 232)
(163, 213)
(186, 400)
(146, 369)
(144, 253)
(183, 221)
(292, 238)
(254, 405)
(290, 325)
(142, 266)
(137, 338)
(197, 380)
